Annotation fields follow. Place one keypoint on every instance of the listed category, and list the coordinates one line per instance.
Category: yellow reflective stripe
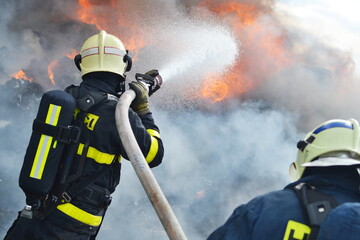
(96, 155)
(79, 214)
(154, 147)
(43, 148)
(153, 133)
(296, 230)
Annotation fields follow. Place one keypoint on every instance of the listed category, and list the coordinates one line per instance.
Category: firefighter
(103, 62)
(325, 176)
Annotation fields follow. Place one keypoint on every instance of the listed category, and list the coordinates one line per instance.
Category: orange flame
(264, 52)
(21, 75)
(72, 54)
(105, 15)
(53, 64)
(245, 12)
(214, 90)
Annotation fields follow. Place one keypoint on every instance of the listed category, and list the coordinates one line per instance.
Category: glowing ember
(54, 64)
(21, 75)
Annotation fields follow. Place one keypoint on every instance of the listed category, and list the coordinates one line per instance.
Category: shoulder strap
(88, 100)
(316, 204)
(84, 102)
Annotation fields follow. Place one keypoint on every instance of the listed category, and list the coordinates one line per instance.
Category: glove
(141, 102)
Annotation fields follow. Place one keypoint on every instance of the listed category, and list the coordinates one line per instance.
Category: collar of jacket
(103, 82)
(347, 182)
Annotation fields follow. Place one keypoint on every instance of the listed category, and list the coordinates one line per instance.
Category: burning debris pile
(229, 67)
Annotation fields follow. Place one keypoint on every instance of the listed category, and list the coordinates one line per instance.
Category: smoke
(205, 177)
(281, 81)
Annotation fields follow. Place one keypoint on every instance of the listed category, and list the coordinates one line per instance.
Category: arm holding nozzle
(151, 78)
(144, 87)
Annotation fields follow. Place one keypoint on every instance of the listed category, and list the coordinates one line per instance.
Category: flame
(214, 90)
(53, 64)
(245, 12)
(264, 51)
(72, 54)
(106, 15)
(21, 75)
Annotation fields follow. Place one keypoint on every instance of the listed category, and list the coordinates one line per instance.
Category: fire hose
(142, 169)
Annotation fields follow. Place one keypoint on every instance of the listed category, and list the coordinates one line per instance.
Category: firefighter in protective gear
(327, 176)
(103, 61)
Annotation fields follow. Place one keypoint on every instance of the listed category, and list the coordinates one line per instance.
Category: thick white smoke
(213, 162)
(217, 156)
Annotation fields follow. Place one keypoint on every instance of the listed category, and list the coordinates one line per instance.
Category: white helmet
(332, 143)
(103, 53)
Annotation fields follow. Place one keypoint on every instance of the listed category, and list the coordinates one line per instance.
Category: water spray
(196, 48)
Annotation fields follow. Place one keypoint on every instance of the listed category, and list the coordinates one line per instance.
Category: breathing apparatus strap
(77, 187)
(316, 204)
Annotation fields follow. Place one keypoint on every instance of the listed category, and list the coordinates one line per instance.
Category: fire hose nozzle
(153, 83)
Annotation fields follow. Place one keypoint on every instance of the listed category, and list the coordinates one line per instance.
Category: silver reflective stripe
(90, 51)
(114, 51)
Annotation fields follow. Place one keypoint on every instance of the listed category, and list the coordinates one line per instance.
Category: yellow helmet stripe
(79, 214)
(43, 148)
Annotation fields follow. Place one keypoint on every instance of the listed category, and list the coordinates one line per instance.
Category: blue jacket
(347, 228)
(279, 215)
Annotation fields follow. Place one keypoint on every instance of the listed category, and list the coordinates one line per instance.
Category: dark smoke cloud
(217, 155)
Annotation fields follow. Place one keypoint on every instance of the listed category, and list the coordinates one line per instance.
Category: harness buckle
(69, 134)
(66, 197)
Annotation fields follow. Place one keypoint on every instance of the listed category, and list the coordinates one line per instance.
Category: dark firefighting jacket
(279, 215)
(84, 213)
(343, 222)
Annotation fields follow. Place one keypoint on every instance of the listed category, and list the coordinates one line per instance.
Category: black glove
(141, 102)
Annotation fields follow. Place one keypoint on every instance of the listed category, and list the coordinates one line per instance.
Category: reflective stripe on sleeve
(153, 150)
(153, 133)
(79, 214)
(43, 148)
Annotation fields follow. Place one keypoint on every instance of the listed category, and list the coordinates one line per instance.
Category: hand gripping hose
(145, 175)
